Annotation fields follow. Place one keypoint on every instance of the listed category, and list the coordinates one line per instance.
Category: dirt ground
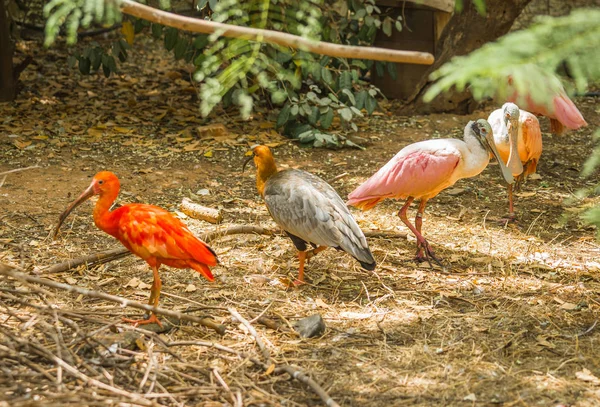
(514, 322)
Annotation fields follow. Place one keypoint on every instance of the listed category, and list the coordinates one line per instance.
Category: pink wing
(417, 174)
(564, 112)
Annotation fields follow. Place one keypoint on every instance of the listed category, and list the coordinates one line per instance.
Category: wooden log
(197, 211)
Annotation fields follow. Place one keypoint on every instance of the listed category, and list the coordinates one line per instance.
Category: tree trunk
(465, 32)
(8, 82)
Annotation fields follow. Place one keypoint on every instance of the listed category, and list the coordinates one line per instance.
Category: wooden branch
(197, 211)
(19, 169)
(9, 271)
(119, 252)
(273, 37)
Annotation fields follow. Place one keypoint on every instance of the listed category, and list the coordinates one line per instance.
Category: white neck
(477, 157)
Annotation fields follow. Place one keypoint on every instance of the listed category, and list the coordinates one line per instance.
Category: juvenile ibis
(309, 211)
(518, 138)
(422, 170)
(147, 231)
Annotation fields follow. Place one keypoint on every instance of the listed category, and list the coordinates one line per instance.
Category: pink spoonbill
(518, 138)
(422, 170)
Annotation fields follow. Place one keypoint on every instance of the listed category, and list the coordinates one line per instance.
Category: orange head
(105, 183)
(265, 165)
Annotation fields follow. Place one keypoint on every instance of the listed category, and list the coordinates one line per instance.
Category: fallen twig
(119, 252)
(257, 338)
(19, 169)
(291, 370)
(10, 272)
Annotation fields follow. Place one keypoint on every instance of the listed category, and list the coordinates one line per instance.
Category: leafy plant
(308, 89)
(531, 58)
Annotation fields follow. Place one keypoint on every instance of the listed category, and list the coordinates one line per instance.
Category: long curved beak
(87, 194)
(506, 173)
(246, 163)
(514, 163)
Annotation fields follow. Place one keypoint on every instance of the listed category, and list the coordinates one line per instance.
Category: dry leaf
(128, 32)
(22, 144)
(587, 376)
(70, 280)
(525, 194)
(208, 154)
(270, 369)
(568, 306)
(133, 283)
(542, 341)
(190, 288)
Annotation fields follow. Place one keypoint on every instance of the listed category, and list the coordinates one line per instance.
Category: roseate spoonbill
(147, 231)
(563, 114)
(518, 138)
(422, 170)
(309, 211)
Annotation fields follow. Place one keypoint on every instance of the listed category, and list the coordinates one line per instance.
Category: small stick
(9, 271)
(120, 252)
(257, 338)
(19, 169)
(292, 371)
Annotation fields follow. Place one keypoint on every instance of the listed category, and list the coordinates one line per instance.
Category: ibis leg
(153, 301)
(314, 252)
(511, 208)
(302, 259)
(418, 223)
(422, 244)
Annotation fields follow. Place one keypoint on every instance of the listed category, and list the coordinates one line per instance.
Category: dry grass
(513, 323)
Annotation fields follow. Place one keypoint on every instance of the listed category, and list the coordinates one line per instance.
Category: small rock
(310, 327)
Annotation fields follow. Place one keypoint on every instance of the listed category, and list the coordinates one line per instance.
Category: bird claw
(136, 322)
(424, 253)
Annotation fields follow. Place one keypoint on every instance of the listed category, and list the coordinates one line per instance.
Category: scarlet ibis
(422, 170)
(563, 113)
(309, 211)
(518, 138)
(147, 231)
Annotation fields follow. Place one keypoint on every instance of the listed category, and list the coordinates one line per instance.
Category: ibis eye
(100, 182)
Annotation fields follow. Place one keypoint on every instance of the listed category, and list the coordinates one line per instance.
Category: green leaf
(327, 119)
(295, 110)
(283, 117)
(346, 113)
(171, 36)
(391, 67)
(326, 75)
(345, 80)
(361, 97)
(398, 25)
(180, 48)
(138, 26)
(278, 97)
(313, 117)
(370, 105)
(348, 93)
(157, 30)
(84, 65)
(387, 26)
(213, 4)
(379, 68)
(201, 41)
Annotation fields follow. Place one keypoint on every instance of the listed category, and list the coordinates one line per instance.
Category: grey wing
(306, 206)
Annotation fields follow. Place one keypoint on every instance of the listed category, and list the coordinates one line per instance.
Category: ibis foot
(152, 320)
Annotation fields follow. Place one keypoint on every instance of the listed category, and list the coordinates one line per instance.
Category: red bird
(147, 231)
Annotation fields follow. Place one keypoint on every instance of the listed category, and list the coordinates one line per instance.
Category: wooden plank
(440, 18)
(443, 5)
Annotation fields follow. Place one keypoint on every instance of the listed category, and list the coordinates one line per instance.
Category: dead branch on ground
(10, 271)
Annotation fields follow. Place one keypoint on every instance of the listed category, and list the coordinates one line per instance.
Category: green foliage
(530, 57)
(591, 165)
(75, 13)
(250, 74)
